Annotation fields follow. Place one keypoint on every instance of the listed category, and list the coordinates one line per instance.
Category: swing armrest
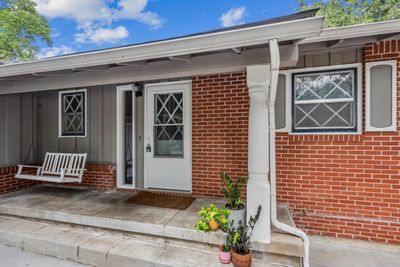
(20, 167)
(29, 166)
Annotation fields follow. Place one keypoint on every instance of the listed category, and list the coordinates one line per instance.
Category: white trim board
(368, 66)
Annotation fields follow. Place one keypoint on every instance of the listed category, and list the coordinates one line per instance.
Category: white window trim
(368, 66)
(60, 93)
(288, 125)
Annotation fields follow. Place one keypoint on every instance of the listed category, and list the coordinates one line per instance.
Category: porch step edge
(282, 243)
(102, 249)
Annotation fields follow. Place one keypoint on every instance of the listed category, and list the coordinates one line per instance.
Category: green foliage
(240, 238)
(212, 212)
(347, 12)
(21, 27)
(231, 237)
(232, 191)
(226, 247)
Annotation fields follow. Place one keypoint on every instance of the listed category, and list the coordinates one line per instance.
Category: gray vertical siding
(16, 130)
(330, 58)
(20, 124)
(100, 142)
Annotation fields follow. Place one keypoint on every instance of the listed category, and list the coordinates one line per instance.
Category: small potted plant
(241, 253)
(232, 193)
(224, 253)
(212, 218)
(225, 250)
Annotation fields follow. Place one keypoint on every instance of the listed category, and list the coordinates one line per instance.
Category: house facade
(172, 115)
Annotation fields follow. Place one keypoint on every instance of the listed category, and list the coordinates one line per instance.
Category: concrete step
(39, 203)
(102, 248)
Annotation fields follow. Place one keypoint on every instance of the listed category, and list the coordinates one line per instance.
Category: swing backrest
(72, 164)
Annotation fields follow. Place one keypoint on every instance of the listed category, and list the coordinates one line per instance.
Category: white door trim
(187, 124)
(121, 138)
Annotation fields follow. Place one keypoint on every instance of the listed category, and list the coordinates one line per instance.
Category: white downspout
(275, 62)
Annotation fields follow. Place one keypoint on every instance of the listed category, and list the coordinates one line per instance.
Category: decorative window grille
(325, 101)
(168, 125)
(72, 113)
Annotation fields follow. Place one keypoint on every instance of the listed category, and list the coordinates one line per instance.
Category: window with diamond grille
(325, 101)
(168, 125)
(73, 113)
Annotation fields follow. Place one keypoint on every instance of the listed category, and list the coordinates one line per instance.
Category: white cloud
(233, 16)
(94, 16)
(102, 35)
(55, 51)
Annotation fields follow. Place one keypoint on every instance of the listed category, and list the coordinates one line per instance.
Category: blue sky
(82, 25)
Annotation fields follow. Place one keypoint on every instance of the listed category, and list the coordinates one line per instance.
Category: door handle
(148, 146)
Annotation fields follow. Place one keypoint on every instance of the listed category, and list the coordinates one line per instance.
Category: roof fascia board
(261, 34)
(355, 31)
(158, 70)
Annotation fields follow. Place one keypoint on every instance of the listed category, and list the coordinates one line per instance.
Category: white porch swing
(57, 167)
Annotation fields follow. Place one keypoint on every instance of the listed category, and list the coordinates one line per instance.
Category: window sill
(326, 137)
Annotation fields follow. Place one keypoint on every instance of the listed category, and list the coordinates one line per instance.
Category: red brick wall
(338, 185)
(345, 185)
(9, 184)
(219, 119)
(100, 176)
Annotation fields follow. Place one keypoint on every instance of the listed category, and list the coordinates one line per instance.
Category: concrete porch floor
(107, 210)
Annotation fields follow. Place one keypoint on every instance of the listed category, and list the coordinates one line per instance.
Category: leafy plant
(241, 238)
(225, 247)
(346, 12)
(232, 191)
(210, 213)
(21, 29)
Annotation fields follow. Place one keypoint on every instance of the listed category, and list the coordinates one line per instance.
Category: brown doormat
(160, 200)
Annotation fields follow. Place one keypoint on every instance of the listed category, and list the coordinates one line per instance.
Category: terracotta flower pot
(224, 257)
(213, 225)
(241, 260)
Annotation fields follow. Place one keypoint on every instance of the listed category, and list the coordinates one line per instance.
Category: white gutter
(275, 61)
(355, 31)
(256, 35)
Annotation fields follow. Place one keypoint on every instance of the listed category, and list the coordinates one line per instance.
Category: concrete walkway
(13, 257)
(334, 252)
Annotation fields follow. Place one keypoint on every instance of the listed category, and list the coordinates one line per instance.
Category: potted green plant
(232, 193)
(241, 253)
(224, 253)
(212, 218)
(225, 250)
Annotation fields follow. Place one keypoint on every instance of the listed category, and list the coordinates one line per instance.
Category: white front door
(168, 142)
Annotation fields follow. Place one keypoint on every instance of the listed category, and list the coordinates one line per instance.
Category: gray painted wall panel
(3, 128)
(95, 96)
(109, 124)
(100, 142)
(330, 58)
(15, 129)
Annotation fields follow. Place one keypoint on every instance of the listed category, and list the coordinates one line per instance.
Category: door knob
(148, 146)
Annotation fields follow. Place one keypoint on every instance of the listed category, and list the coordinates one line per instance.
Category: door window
(168, 125)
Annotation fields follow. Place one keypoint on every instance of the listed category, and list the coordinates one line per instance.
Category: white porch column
(258, 188)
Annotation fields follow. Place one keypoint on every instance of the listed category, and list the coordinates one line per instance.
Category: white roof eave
(284, 31)
(355, 31)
